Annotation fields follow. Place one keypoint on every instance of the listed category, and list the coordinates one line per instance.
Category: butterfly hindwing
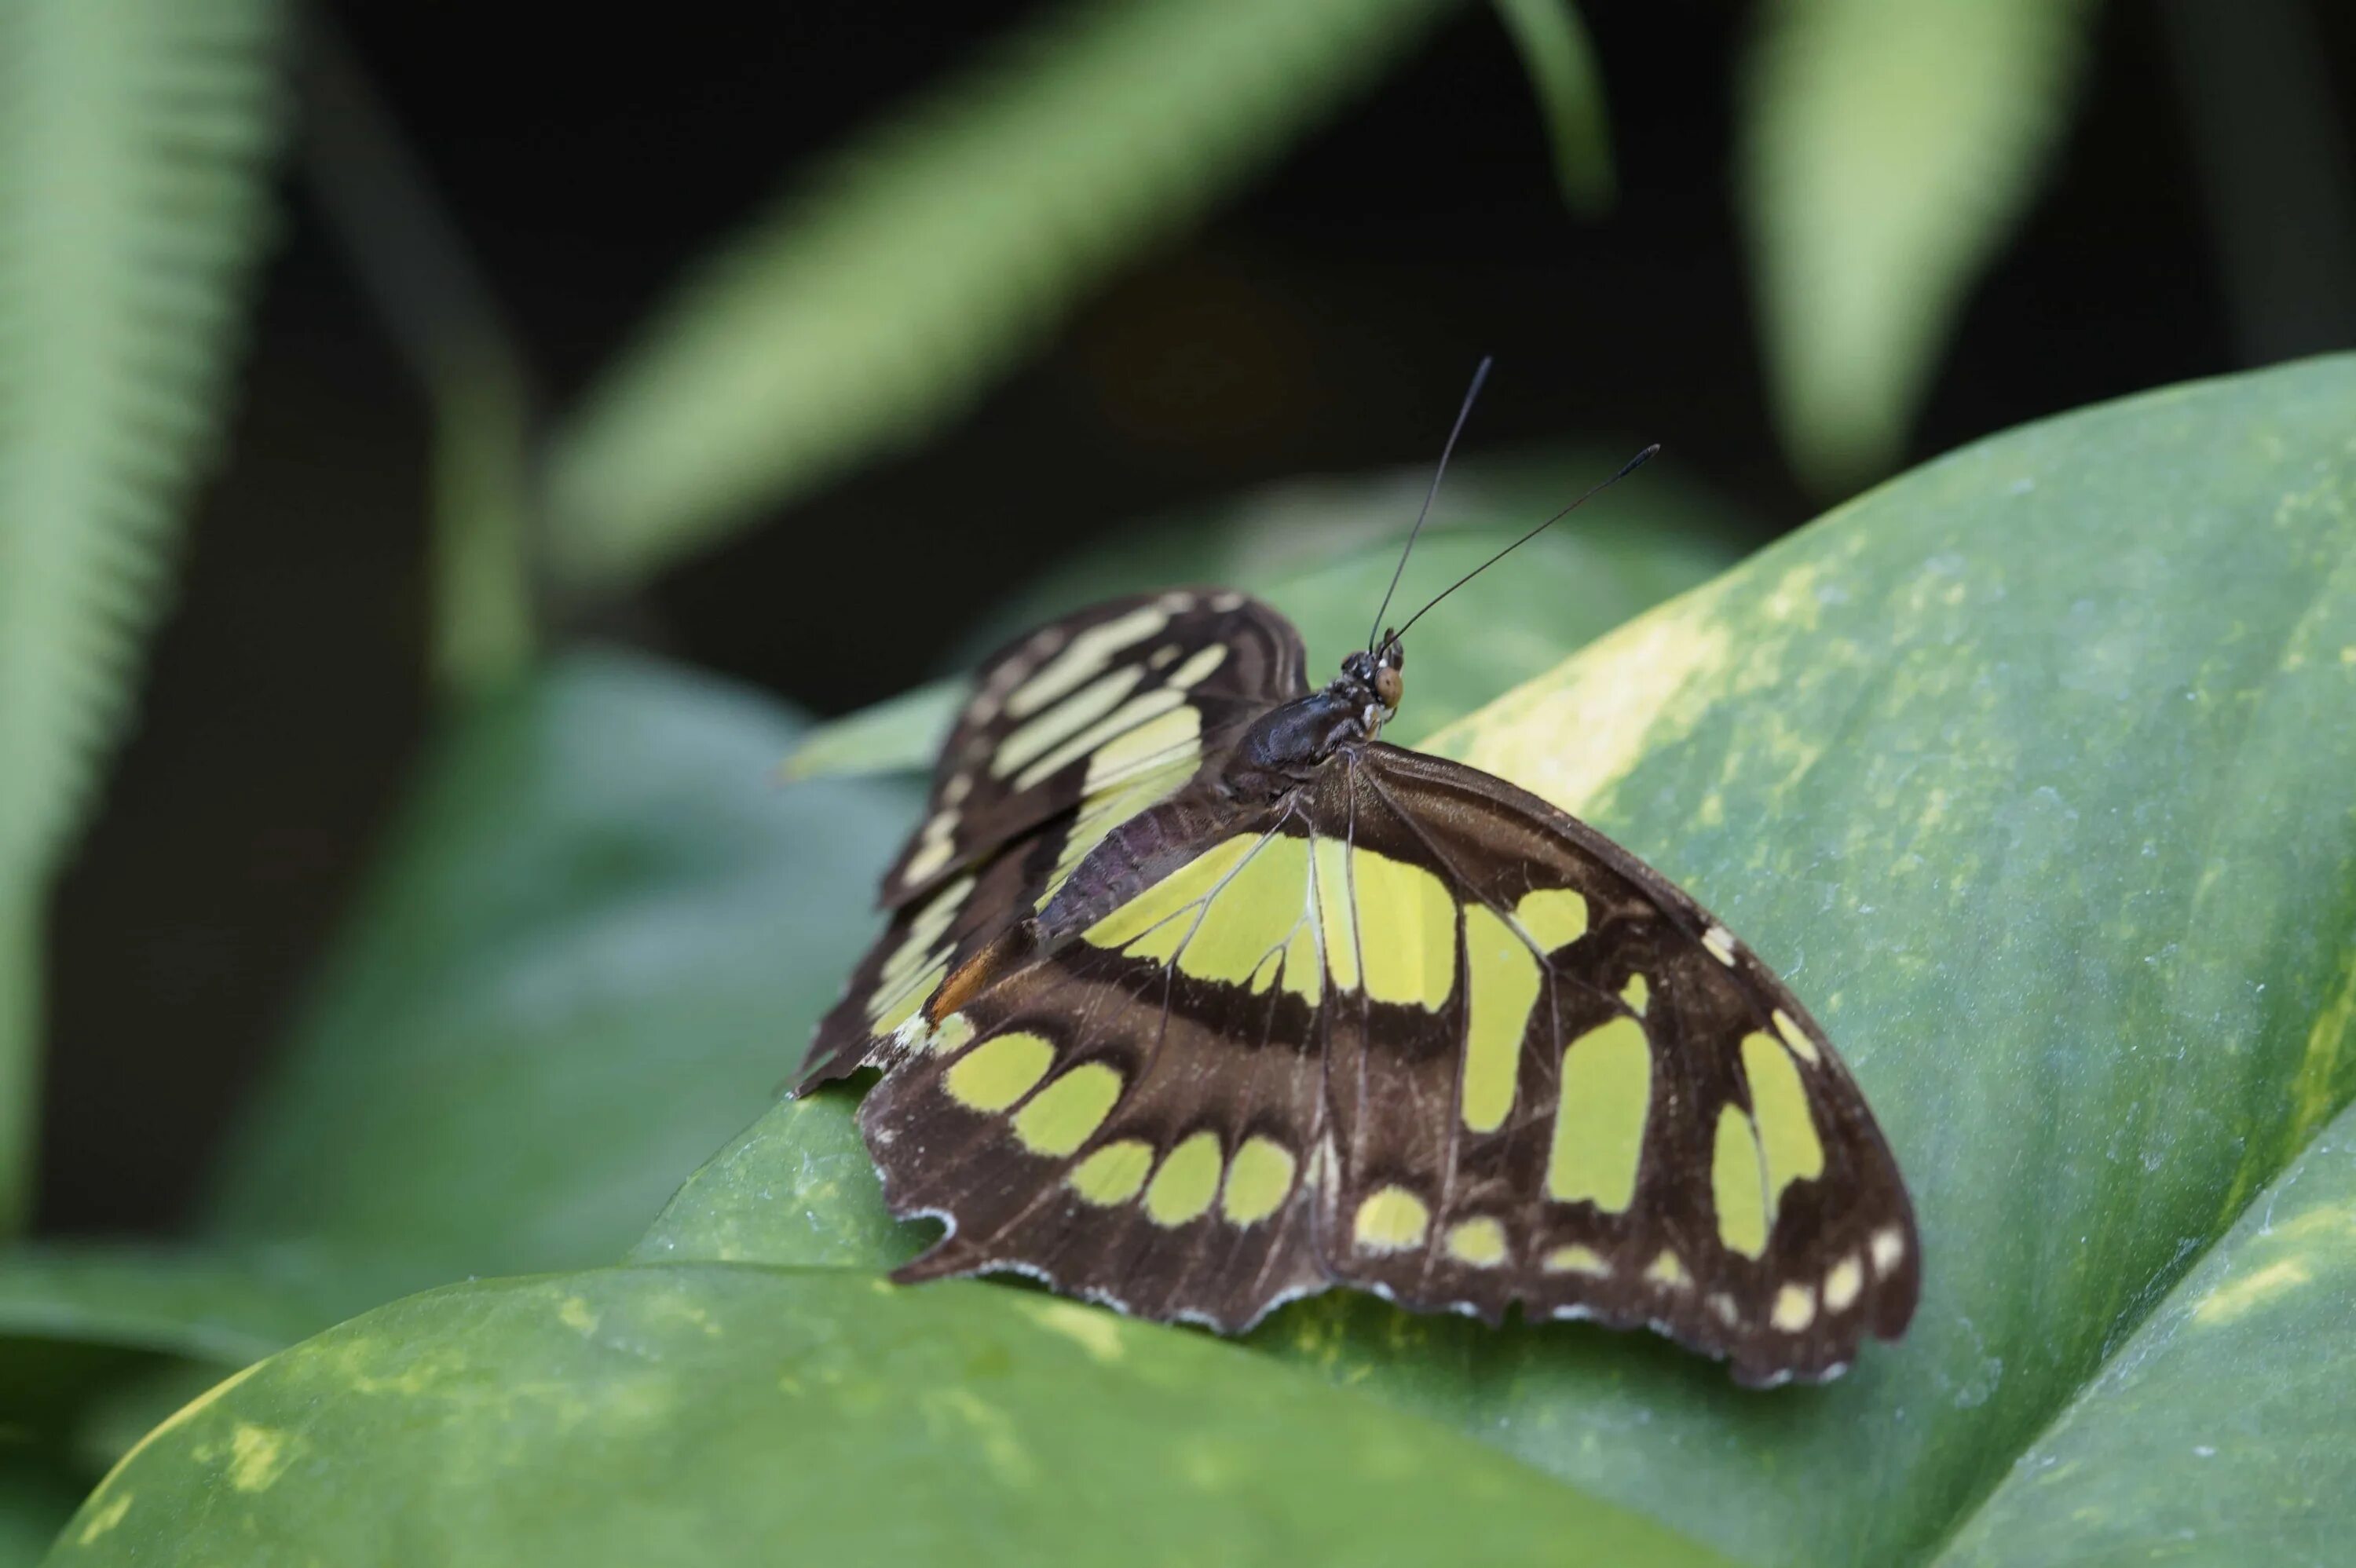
(1070, 731)
(1412, 1030)
(1632, 1120)
(1104, 1121)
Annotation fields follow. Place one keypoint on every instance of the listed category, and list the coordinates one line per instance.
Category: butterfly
(1197, 998)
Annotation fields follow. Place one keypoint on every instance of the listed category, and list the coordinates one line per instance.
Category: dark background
(1326, 322)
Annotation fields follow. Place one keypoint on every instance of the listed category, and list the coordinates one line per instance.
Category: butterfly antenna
(1625, 470)
(1472, 393)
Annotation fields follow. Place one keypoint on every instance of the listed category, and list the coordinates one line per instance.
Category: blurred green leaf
(897, 734)
(1560, 59)
(136, 142)
(841, 326)
(725, 1415)
(2031, 771)
(2222, 1428)
(34, 1502)
(177, 1301)
(1886, 152)
(593, 950)
(436, 309)
(1324, 550)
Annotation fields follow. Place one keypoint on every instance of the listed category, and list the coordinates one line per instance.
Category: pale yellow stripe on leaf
(1259, 1178)
(1736, 1185)
(1067, 1112)
(1188, 1179)
(1606, 1095)
(1554, 917)
(1113, 1174)
(1064, 719)
(1505, 987)
(1406, 931)
(998, 1071)
(1787, 1127)
(1084, 656)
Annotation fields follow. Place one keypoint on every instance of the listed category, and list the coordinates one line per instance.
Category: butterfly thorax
(1291, 742)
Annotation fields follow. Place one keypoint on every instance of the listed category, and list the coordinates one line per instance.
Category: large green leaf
(134, 149)
(2031, 771)
(1324, 550)
(841, 325)
(731, 1415)
(2224, 1427)
(1887, 151)
(595, 948)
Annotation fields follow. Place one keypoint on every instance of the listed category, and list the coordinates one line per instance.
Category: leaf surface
(593, 950)
(2032, 773)
(722, 1416)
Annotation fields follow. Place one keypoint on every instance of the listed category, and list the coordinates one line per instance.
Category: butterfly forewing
(1070, 731)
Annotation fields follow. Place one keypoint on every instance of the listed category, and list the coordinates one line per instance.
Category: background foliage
(2022, 768)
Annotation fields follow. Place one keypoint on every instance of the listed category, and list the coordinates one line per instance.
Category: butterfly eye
(1388, 687)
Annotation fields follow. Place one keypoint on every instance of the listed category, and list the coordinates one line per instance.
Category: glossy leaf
(1324, 550)
(2222, 1428)
(899, 734)
(731, 1415)
(2032, 773)
(1887, 152)
(833, 329)
(595, 950)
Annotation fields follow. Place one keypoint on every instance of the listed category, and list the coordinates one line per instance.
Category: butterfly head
(1374, 677)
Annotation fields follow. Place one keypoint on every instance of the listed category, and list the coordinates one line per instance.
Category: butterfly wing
(1133, 1115)
(1071, 729)
(1601, 1104)
(1414, 1031)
